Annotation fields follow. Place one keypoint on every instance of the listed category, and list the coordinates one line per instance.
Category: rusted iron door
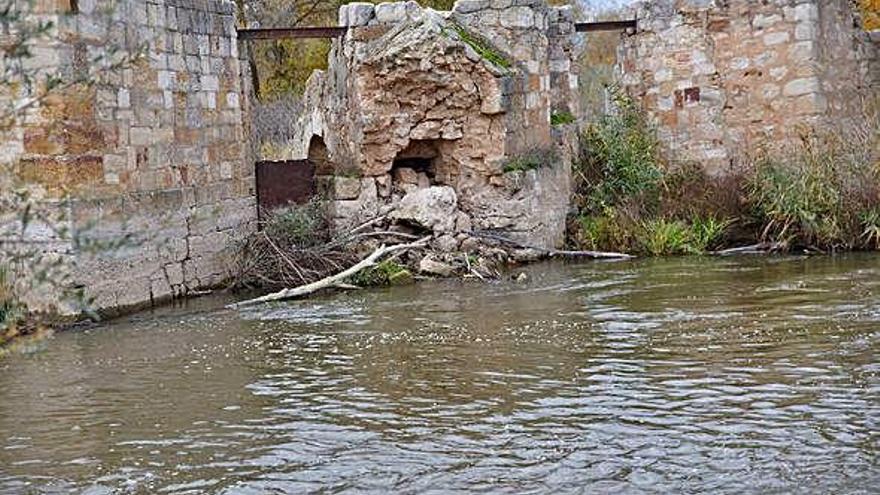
(285, 182)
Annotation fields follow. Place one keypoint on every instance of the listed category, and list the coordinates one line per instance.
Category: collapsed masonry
(421, 115)
(724, 78)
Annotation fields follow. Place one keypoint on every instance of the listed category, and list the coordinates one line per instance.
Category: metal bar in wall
(336, 31)
(589, 27)
(287, 33)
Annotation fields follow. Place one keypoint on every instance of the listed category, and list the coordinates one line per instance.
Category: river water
(686, 375)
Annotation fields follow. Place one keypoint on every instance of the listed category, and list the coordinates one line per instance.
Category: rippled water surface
(748, 375)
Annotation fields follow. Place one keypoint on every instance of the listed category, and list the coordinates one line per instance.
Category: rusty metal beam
(288, 33)
(590, 27)
(336, 31)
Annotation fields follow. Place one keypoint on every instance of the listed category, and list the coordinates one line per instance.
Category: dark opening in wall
(319, 156)
(419, 157)
(416, 163)
(74, 6)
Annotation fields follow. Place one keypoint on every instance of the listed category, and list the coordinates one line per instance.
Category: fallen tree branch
(588, 254)
(760, 248)
(332, 280)
(550, 253)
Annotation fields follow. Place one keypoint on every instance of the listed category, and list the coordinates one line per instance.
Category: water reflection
(684, 375)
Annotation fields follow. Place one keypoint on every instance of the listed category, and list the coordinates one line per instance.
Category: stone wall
(154, 150)
(415, 98)
(723, 78)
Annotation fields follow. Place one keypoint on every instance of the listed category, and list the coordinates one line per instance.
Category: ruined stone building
(724, 78)
(415, 98)
(443, 115)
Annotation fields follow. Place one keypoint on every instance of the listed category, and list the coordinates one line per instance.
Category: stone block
(395, 12)
(776, 38)
(517, 17)
(431, 266)
(560, 65)
(405, 175)
(359, 13)
(346, 187)
(764, 21)
(432, 208)
(805, 31)
(800, 87)
(470, 6)
(805, 12)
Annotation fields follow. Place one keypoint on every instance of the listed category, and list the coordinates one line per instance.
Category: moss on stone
(482, 47)
(387, 272)
(562, 118)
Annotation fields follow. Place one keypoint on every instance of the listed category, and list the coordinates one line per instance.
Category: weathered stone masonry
(408, 103)
(411, 119)
(156, 149)
(722, 78)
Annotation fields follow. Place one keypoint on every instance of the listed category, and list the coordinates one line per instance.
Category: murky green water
(748, 375)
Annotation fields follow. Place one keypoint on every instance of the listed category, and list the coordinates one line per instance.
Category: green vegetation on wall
(482, 47)
(562, 118)
(531, 160)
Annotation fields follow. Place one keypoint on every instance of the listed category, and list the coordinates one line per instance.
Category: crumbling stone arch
(320, 156)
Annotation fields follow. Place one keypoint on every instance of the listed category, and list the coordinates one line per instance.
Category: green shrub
(531, 160)
(660, 237)
(302, 226)
(562, 118)
(663, 237)
(793, 200)
(689, 192)
(871, 228)
(619, 158)
(821, 192)
(596, 231)
(706, 232)
(611, 229)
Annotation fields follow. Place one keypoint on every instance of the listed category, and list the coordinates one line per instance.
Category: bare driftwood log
(554, 252)
(760, 248)
(333, 280)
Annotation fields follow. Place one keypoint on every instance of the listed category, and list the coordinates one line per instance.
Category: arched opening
(320, 157)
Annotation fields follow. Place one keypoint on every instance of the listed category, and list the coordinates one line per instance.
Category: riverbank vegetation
(821, 193)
